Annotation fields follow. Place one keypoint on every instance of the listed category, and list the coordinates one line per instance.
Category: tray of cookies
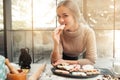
(75, 70)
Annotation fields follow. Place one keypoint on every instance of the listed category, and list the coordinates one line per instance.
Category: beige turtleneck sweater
(75, 43)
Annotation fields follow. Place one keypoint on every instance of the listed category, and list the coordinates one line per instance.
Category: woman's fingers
(58, 62)
(57, 32)
(62, 27)
(59, 29)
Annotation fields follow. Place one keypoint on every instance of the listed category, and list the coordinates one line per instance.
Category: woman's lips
(62, 27)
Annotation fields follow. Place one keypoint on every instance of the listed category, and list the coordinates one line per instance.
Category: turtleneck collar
(70, 34)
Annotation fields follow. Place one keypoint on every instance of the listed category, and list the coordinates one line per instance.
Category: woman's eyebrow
(64, 13)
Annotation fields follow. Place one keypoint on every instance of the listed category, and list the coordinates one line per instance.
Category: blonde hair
(74, 8)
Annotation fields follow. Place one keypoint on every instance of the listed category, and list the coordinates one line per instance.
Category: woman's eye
(58, 16)
(65, 15)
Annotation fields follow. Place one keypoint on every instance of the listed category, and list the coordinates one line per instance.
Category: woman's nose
(61, 20)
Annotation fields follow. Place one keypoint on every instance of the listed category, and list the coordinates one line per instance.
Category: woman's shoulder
(86, 27)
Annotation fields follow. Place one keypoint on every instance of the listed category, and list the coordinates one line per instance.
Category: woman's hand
(56, 34)
(60, 61)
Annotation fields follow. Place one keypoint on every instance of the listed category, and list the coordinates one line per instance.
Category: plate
(71, 75)
(105, 71)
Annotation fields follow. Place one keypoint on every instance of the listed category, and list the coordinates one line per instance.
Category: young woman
(74, 38)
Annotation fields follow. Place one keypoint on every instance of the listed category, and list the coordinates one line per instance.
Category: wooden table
(48, 75)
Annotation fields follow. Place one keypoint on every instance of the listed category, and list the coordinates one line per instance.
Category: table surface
(48, 75)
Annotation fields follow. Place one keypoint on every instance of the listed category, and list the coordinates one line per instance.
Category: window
(1, 29)
(1, 14)
(104, 19)
(21, 14)
(32, 25)
(44, 14)
(33, 14)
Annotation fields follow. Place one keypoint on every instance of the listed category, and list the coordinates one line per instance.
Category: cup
(116, 67)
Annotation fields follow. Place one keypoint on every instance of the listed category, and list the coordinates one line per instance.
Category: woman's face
(66, 18)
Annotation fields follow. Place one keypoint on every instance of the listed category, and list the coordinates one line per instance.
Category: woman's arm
(57, 50)
(55, 55)
(91, 50)
(60, 61)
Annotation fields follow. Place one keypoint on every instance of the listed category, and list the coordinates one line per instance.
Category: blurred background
(29, 23)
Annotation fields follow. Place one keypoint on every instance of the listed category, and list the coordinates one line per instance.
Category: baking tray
(72, 76)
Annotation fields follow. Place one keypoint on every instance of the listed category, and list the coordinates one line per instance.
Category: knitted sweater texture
(80, 41)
